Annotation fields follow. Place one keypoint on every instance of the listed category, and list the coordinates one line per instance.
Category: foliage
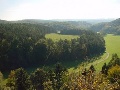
(11, 79)
(21, 79)
(1, 80)
(115, 60)
(104, 69)
(24, 45)
(37, 79)
(114, 74)
(112, 27)
(59, 79)
(92, 68)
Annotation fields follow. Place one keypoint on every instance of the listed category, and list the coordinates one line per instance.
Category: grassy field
(112, 46)
(56, 37)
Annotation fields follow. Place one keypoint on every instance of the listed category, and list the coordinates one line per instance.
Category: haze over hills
(112, 27)
(97, 25)
(92, 21)
(62, 23)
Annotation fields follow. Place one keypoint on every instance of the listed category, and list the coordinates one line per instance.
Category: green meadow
(56, 37)
(112, 46)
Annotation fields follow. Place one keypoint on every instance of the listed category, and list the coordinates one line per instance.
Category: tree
(1, 80)
(114, 74)
(37, 79)
(92, 68)
(115, 60)
(21, 79)
(104, 69)
(59, 70)
(11, 79)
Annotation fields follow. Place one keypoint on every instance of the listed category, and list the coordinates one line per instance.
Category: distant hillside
(57, 25)
(32, 21)
(112, 27)
(91, 21)
(115, 22)
(96, 21)
(89, 24)
(3, 21)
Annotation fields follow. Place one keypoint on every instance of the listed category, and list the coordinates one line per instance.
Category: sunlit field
(112, 46)
(56, 37)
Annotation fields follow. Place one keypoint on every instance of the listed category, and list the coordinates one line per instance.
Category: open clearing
(112, 46)
(56, 37)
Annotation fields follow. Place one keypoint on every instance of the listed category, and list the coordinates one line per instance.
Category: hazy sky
(59, 9)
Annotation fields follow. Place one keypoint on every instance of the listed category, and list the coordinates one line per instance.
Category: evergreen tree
(37, 79)
(21, 79)
(92, 68)
(105, 69)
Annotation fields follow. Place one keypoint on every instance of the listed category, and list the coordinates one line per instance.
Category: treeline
(58, 78)
(114, 62)
(18, 42)
(112, 27)
(74, 31)
(24, 45)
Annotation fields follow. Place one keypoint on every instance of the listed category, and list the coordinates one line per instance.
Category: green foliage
(11, 79)
(114, 74)
(21, 79)
(37, 79)
(59, 71)
(104, 69)
(112, 44)
(112, 27)
(115, 60)
(1, 80)
(24, 45)
(92, 68)
(59, 79)
(18, 47)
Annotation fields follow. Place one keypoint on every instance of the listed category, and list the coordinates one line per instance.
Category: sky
(59, 9)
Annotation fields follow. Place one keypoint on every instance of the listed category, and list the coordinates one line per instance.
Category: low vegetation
(58, 78)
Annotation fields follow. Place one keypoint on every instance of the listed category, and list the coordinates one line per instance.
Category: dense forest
(25, 45)
(58, 78)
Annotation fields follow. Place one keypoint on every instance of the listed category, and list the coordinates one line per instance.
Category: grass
(112, 46)
(56, 37)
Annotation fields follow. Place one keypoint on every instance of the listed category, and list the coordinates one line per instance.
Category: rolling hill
(112, 27)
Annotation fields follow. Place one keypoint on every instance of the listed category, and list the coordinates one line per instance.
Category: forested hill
(25, 29)
(112, 27)
(24, 45)
(58, 25)
(3, 21)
